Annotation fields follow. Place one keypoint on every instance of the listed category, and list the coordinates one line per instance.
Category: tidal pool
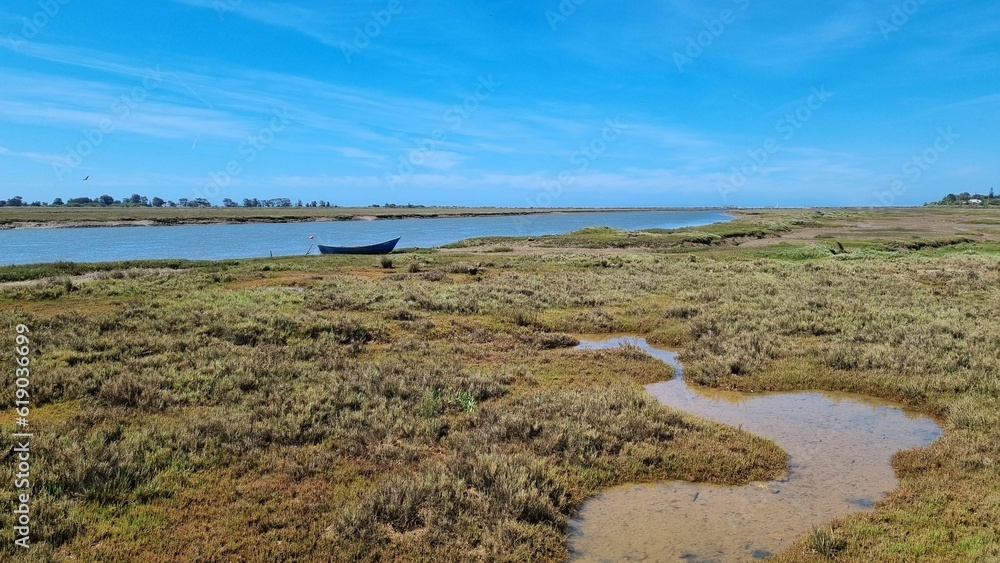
(839, 447)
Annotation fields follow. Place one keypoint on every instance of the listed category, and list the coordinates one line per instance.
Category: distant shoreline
(89, 217)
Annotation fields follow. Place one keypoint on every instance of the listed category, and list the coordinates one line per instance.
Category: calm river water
(216, 242)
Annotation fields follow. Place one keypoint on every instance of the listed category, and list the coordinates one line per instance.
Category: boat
(380, 248)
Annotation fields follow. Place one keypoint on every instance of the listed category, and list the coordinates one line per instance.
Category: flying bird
(85, 179)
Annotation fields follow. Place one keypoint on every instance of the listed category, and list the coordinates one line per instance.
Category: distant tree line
(965, 198)
(136, 200)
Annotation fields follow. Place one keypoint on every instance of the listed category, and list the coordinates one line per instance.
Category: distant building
(975, 201)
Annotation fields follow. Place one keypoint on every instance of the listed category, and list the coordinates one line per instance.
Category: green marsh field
(430, 405)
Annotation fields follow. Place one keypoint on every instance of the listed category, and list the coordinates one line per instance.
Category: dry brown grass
(388, 415)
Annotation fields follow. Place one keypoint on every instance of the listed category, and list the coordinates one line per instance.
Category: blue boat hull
(380, 248)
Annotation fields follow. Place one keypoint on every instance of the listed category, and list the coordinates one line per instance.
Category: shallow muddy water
(839, 448)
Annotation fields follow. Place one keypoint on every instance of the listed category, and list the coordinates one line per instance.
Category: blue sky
(545, 103)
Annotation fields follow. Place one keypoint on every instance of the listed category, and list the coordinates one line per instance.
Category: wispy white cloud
(329, 27)
(990, 99)
(235, 101)
(59, 102)
(850, 27)
(37, 157)
(798, 172)
(82, 57)
(354, 152)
